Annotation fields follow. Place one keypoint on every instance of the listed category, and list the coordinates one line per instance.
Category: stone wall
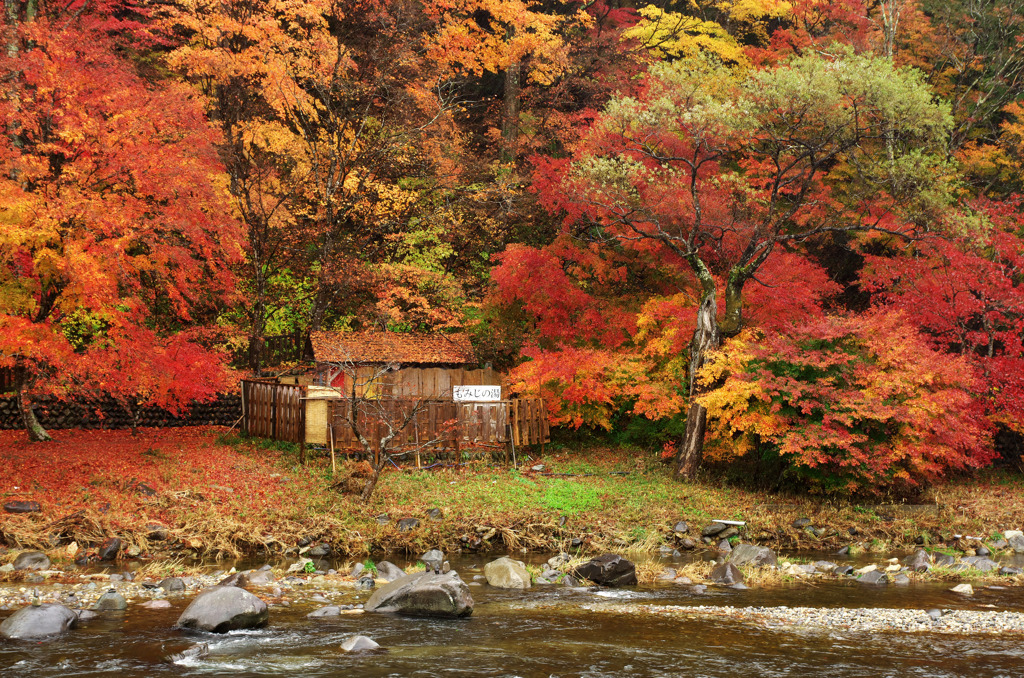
(108, 414)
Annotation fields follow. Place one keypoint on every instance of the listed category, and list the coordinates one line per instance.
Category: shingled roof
(388, 347)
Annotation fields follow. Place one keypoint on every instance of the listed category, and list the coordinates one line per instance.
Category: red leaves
(858, 404)
(965, 294)
(114, 231)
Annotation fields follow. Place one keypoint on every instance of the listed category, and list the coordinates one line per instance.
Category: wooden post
(300, 398)
(334, 466)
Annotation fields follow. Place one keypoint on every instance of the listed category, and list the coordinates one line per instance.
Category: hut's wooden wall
(406, 382)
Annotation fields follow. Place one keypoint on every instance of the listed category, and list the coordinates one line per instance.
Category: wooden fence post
(302, 424)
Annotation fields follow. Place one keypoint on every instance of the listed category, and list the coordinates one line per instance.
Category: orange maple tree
(115, 242)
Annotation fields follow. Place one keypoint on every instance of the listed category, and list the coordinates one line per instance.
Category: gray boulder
(423, 594)
(901, 579)
(505, 573)
(1016, 542)
(408, 524)
(918, 561)
(727, 574)
(713, 529)
(328, 611)
(607, 570)
(943, 560)
(874, 577)
(389, 571)
(239, 579)
(320, 551)
(750, 554)
(359, 644)
(261, 577)
(109, 549)
(172, 584)
(985, 564)
(38, 621)
(110, 601)
(224, 608)
(32, 560)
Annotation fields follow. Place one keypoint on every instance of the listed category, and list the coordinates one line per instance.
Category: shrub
(850, 405)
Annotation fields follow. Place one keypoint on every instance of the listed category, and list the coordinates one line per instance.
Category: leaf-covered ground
(219, 494)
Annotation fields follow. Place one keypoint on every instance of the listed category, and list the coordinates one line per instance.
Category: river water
(545, 631)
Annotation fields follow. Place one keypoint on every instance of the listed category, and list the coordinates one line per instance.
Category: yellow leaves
(673, 35)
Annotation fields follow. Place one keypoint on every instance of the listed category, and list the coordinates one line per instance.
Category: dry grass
(612, 500)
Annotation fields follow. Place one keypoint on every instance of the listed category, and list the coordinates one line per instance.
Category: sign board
(488, 394)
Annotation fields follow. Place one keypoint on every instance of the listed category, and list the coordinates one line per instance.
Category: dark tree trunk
(706, 337)
(510, 114)
(371, 484)
(36, 432)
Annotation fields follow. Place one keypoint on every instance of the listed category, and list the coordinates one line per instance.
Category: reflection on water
(543, 632)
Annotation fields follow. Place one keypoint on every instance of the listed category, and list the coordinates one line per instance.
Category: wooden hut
(395, 364)
(435, 370)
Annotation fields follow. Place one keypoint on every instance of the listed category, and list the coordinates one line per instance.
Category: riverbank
(199, 493)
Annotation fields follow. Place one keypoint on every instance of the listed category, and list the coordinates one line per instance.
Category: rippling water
(543, 632)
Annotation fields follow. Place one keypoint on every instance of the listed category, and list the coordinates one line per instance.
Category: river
(545, 631)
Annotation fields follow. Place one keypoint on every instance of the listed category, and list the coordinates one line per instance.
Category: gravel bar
(842, 618)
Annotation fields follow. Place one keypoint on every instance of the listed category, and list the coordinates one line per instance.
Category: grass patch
(570, 498)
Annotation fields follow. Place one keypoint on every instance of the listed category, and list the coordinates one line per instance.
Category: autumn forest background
(764, 234)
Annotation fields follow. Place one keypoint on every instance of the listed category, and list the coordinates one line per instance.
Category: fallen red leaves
(101, 471)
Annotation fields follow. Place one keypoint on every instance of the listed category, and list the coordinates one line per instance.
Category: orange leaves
(477, 36)
(588, 387)
(851, 404)
(114, 232)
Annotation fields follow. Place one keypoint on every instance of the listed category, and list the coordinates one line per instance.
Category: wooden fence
(275, 411)
(279, 412)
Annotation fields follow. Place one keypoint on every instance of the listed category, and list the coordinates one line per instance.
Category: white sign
(488, 394)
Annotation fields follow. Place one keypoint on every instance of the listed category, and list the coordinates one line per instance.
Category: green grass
(570, 497)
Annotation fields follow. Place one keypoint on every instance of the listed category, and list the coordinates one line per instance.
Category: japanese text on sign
(476, 393)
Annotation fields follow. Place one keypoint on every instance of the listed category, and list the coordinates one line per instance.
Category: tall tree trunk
(257, 329)
(706, 337)
(510, 114)
(36, 432)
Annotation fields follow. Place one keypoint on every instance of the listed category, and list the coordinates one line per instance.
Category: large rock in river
(224, 608)
(423, 594)
(32, 560)
(607, 570)
(38, 621)
(505, 573)
(750, 554)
